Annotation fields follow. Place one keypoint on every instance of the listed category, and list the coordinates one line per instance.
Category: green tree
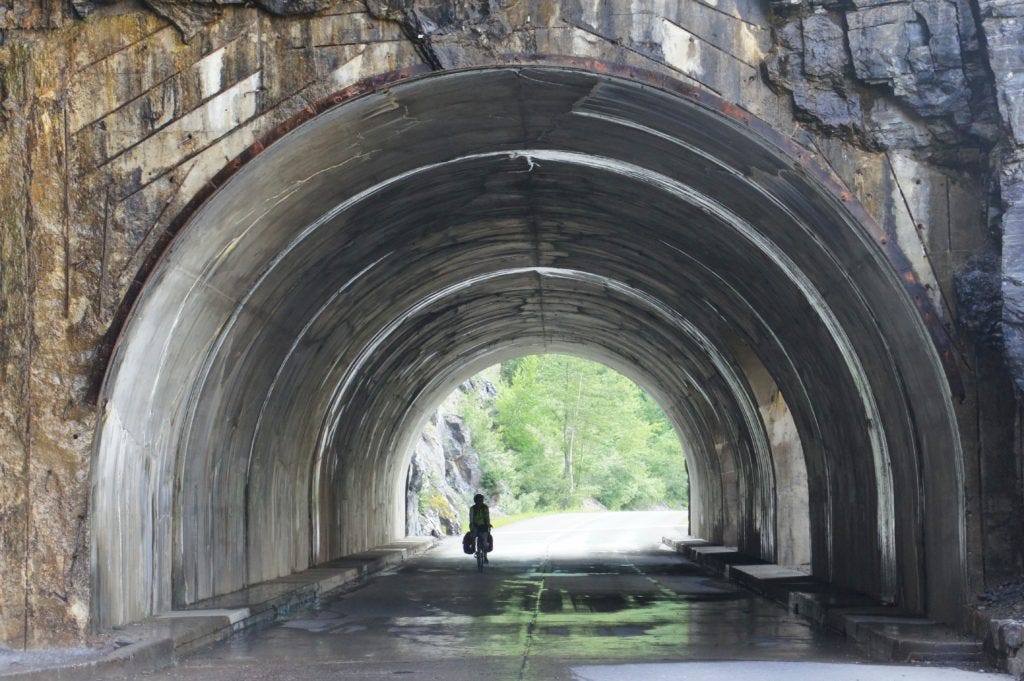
(564, 430)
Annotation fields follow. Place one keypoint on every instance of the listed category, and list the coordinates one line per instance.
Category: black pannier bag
(467, 543)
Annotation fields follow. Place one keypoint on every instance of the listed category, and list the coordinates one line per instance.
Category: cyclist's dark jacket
(479, 516)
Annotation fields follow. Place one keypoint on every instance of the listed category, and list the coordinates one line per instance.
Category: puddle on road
(612, 613)
(622, 631)
(314, 626)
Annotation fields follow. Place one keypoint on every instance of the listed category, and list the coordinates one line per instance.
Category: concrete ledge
(883, 632)
(775, 582)
(821, 604)
(160, 641)
(139, 656)
(680, 545)
(912, 640)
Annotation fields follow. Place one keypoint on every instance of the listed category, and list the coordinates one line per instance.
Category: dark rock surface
(1003, 23)
(810, 60)
(892, 75)
(979, 302)
(1012, 186)
(914, 49)
(939, 77)
(441, 29)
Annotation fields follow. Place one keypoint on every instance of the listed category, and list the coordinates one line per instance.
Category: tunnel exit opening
(544, 433)
(263, 397)
(554, 433)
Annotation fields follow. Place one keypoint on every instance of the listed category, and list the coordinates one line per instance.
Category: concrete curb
(162, 640)
(883, 632)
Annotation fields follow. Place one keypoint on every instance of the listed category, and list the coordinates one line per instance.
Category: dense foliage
(564, 432)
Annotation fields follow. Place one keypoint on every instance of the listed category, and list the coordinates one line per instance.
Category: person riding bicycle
(480, 522)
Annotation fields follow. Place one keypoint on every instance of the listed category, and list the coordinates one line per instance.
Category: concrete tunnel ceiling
(260, 402)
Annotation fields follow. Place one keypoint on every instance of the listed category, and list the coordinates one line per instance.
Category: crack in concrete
(531, 626)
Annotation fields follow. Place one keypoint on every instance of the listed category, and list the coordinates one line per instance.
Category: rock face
(1003, 24)
(444, 473)
(1012, 185)
(944, 78)
(891, 74)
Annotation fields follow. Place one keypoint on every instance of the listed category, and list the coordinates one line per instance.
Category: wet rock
(979, 300)
(824, 54)
(83, 8)
(810, 60)
(1003, 607)
(893, 75)
(189, 17)
(877, 35)
(1003, 22)
(1012, 186)
(914, 48)
(443, 16)
(440, 29)
(828, 105)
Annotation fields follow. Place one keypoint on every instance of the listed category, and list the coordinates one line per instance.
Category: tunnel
(258, 409)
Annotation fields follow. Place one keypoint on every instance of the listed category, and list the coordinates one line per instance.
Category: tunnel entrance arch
(254, 408)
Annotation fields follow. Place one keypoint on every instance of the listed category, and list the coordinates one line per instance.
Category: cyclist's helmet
(478, 498)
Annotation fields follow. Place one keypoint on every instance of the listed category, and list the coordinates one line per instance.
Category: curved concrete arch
(597, 343)
(691, 428)
(298, 335)
(701, 346)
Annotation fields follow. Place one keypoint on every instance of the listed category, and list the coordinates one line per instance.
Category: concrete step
(883, 632)
(775, 582)
(898, 639)
(823, 604)
(718, 559)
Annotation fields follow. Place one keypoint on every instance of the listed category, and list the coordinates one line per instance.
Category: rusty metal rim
(804, 160)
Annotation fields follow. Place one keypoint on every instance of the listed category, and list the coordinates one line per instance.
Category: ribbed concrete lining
(260, 404)
(562, 302)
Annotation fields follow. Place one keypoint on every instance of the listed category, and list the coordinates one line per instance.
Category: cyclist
(480, 522)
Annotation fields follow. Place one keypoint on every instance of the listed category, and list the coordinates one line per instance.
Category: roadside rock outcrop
(900, 75)
(445, 471)
(943, 79)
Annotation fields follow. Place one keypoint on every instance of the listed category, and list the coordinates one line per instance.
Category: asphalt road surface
(574, 597)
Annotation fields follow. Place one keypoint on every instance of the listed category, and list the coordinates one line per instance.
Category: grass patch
(515, 518)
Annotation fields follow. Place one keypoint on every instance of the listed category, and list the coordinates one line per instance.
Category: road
(580, 597)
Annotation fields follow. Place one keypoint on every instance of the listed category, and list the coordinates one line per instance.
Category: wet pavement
(584, 597)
